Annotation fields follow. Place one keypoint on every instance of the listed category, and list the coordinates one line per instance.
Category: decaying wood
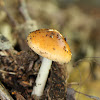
(4, 94)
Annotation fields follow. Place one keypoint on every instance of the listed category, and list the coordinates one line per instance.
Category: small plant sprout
(51, 45)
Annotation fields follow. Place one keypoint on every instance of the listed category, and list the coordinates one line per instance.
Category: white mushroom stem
(42, 77)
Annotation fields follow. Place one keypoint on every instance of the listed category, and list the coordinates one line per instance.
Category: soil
(20, 71)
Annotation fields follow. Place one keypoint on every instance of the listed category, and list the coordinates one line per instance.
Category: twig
(4, 95)
(2, 71)
(2, 4)
(23, 10)
(10, 17)
(73, 83)
(92, 97)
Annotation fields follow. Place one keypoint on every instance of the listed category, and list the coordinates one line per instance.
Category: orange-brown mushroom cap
(50, 44)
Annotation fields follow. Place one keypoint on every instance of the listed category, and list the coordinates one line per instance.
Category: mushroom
(51, 45)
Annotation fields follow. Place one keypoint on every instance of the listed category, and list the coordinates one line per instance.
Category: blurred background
(77, 20)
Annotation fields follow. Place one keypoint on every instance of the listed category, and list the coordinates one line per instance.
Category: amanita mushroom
(51, 45)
